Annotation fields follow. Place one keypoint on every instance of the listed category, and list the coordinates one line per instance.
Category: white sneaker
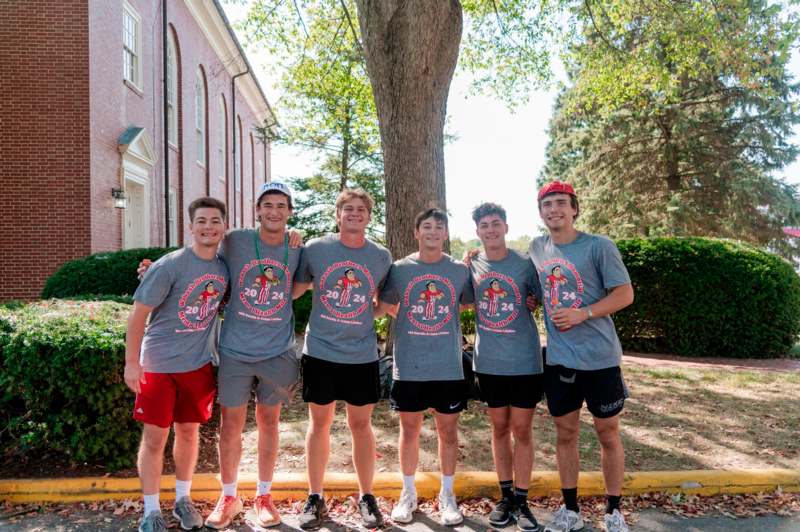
(565, 521)
(448, 508)
(403, 511)
(615, 522)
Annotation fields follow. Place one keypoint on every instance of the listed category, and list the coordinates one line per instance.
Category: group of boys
(579, 278)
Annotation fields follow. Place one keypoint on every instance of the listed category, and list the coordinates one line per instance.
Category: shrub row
(706, 297)
(61, 387)
(109, 273)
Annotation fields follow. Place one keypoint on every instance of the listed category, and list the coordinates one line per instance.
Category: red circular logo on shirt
(498, 300)
(200, 301)
(346, 289)
(559, 289)
(266, 292)
(430, 300)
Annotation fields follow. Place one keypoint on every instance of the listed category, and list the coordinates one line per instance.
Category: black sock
(507, 489)
(570, 498)
(612, 503)
(520, 496)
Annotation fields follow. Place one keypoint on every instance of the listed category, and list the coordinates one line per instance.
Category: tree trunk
(411, 49)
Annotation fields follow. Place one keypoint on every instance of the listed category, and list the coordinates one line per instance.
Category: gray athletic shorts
(273, 380)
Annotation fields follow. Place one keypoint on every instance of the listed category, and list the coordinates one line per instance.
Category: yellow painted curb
(467, 484)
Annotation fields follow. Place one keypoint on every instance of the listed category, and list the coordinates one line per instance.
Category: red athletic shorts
(176, 397)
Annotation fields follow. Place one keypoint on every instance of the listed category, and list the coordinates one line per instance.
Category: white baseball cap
(275, 186)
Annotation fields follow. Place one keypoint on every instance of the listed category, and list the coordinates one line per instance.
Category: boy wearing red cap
(586, 282)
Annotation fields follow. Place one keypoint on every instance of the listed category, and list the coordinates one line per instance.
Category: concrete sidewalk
(648, 520)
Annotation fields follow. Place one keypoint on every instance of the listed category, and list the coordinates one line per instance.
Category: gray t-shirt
(185, 292)
(576, 275)
(427, 341)
(258, 320)
(341, 326)
(507, 341)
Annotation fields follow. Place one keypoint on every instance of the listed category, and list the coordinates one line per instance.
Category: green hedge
(61, 387)
(705, 297)
(111, 273)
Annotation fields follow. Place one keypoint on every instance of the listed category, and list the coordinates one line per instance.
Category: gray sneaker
(615, 522)
(153, 522)
(187, 515)
(565, 521)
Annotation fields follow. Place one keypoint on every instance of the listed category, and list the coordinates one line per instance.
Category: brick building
(82, 118)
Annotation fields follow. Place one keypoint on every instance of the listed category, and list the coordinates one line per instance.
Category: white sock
(229, 490)
(151, 504)
(408, 483)
(182, 489)
(263, 487)
(447, 483)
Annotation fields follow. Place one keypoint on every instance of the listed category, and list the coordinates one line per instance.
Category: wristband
(589, 313)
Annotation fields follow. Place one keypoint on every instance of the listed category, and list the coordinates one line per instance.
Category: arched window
(222, 138)
(172, 89)
(200, 115)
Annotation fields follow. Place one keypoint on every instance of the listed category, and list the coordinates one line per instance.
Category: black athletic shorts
(446, 397)
(520, 391)
(325, 382)
(603, 390)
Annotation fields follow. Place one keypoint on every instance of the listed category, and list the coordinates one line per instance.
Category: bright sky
(496, 157)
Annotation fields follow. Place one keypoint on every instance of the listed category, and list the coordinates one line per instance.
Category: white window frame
(222, 141)
(172, 90)
(238, 157)
(132, 73)
(200, 117)
(173, 216)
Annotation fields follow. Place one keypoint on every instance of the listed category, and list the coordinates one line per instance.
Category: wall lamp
(119, 197)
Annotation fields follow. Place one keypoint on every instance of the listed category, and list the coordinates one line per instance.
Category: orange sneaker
(266, 513)
(226, 511)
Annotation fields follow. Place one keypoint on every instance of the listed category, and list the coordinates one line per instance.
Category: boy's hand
(143, 266)
(134, 376)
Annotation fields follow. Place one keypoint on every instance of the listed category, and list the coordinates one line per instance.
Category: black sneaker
(526, 522)
(370, 513)
(314, 512)
(501, 514)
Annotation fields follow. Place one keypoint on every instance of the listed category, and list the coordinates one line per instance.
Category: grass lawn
(684, 418)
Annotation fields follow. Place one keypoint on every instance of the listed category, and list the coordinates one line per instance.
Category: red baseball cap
(556, 187)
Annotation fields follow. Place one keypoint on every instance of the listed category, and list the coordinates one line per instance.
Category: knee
(187, 433)
(522, 434)
(267, 422)
(448, 436)
(410, 431)
(609, 437)
(319, 426)
(500, 431)
(153, 443)
(567, 435)
(360, 425)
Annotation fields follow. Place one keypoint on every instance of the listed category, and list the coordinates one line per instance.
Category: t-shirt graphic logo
(499, 300)
(200, 301)
(563, 284)
(263, 286)
(346, 284)
(346, 289)
(430, 300)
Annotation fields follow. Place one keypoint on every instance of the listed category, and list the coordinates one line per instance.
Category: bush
(704, 297)
(61, 367)
(110, 273)
(302, 311)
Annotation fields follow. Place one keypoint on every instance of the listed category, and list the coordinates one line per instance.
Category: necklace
(256, 241)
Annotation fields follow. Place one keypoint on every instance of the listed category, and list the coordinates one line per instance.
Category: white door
(135, 223)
